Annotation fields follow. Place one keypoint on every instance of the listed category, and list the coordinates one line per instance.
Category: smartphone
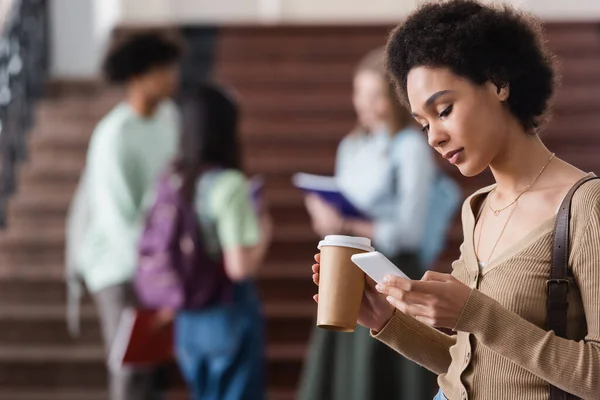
(377, 266)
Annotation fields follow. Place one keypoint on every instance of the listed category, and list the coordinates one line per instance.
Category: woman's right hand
(375, 311)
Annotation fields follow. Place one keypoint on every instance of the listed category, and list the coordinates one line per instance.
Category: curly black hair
(481, 43)
(135, 54)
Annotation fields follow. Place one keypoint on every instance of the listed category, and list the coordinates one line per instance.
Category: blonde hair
(375, 61)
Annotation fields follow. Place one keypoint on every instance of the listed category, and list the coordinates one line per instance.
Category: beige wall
(329, 11)
(182, 11)
(321, 11)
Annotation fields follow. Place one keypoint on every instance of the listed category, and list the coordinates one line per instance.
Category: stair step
(54, 204)
(290, 282)
(92, 376)
(264, 139)
(55, 238)
(99, 394)
(14, 253)
(252, 43)
(287, 324)
(576, 98)
(60, 394)
(583, 156)
(43, 272)
(94, 354)
(274, 166)
(334, 73)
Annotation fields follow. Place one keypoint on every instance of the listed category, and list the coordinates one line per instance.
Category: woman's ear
(502, 91)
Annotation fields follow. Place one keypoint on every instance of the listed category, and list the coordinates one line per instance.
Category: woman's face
(464, 122)
(371, 100)
(160, 82)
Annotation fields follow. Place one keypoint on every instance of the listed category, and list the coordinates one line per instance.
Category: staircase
(294, 85)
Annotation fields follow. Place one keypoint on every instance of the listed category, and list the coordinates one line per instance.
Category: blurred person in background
(128, 149)
(220, 348)
(386, 169)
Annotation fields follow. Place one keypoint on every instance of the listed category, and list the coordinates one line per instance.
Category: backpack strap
(558, 284)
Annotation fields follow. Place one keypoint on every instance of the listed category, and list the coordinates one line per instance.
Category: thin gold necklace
(499, 236)
(499, 210)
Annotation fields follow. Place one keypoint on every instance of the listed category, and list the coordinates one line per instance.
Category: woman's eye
(425, 129)
(446, 111)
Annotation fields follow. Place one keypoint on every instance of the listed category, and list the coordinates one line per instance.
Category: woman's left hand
(436, 300)
(326, 220)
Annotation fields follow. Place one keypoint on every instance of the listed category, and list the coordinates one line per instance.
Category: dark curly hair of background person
(135, 54)
(481, 43)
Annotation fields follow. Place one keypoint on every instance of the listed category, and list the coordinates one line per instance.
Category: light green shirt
(126, 155)
(224, 207)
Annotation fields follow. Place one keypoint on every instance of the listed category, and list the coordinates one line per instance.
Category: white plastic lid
(353, 242)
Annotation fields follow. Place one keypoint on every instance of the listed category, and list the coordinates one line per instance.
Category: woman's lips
(453, 156)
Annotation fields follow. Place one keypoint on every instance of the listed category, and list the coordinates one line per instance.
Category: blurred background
(291, 63)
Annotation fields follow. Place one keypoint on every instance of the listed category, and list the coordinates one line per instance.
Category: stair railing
(23, 67)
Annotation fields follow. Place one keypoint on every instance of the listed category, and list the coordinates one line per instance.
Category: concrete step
(289, 242)
(335, 73)
(583, 155)
(249, 44)
(577, 98)
(66, 394)
(31, 285)
(288, 323)
(40, 209)
(16, 252)
(83, 367)
(62, 174)
(318, 137)
(99, 394)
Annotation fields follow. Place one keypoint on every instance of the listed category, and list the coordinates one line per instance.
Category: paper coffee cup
(341, 282)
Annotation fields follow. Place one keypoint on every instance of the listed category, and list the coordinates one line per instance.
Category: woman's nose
(437, 137)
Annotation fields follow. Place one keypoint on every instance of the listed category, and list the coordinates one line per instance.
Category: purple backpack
(174, 270)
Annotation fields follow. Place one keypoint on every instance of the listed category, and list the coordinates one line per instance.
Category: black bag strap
(558, 284)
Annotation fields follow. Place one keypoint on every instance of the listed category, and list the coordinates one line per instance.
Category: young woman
(386, 169)
(220, 349)
(479, 79)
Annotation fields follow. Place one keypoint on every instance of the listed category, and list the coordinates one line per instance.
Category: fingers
(311, 202)
(433, 276)
(407, 285)
(316, 268)
(404, 296)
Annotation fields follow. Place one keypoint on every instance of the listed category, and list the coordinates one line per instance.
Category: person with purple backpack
(204, 241)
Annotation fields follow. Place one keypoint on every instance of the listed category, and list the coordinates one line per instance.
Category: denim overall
(220, 350)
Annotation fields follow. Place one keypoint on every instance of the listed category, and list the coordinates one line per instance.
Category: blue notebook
(326, 187)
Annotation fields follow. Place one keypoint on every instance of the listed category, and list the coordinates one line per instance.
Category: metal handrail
(23, 67)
